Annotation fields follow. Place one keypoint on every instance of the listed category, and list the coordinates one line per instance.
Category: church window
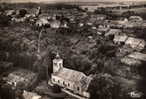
(68, 84)
(58, 81)
(78, 88)
(63, 83)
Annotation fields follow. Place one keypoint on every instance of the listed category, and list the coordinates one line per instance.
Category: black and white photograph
(72, 49)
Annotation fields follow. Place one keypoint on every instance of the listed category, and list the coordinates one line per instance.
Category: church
(72, 80)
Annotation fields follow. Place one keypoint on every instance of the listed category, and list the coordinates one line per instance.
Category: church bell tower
(57, 63)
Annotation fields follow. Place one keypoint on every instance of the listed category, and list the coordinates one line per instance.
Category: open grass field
(136, 10)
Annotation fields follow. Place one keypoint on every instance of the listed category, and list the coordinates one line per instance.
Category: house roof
(31, 95)
(113, 32)
(76, 77)
(138, 18)
(42, 21)
(130, 61)
(120, 38)
(55, 24)
(138, 56)
(21, 78)
(135, 42)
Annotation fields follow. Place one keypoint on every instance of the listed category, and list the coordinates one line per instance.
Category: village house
(42, 22)
(138, 56)
(72, 80)
(135, 43)
(10, 12)
(131, 22)
(135, 18)
(21, 78)
(143, 25)
(30, 95)
(103, 29)
(113, 32)
(130, 61)
(123, 21)
(88, 8)
(55, 24)
(64, 25)
(135, 58)
(98, 17)
(117, 24)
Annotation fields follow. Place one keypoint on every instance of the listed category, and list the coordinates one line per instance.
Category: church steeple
(57, 63)
(57, 56)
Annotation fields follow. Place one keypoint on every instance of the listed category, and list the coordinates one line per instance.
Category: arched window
(58, 81)
(63, 83)
(53, 79)
(68, 84)
(78, 88)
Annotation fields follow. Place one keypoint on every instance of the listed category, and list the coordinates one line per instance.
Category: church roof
(76, 77)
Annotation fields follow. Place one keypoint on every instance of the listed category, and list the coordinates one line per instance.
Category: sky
(52, 1)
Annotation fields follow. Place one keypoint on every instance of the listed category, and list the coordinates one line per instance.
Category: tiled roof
(21, 78)
(130, 61)
(135, 42)
(74, 76)
(138, 56)
(31, 95)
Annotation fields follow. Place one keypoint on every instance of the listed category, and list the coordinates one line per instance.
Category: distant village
(72, 52)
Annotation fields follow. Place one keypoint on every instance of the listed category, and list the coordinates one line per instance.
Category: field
(139, 11)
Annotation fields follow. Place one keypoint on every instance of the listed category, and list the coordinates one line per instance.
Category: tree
(102, 86)
(5, 20)
(127, 14)
(22, 12)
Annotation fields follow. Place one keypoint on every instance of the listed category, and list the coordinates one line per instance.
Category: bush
(5, 20)
(102, 87)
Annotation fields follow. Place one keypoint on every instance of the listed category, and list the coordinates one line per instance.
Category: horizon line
(66, 1)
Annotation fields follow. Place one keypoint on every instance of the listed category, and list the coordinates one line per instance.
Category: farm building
(21, 78)
(138, 56)
(134, 43)
(134, 58)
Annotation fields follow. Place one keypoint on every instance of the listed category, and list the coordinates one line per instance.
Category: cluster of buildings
(111, 6)
(66, 18)
(74, 82)
(22, 81)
